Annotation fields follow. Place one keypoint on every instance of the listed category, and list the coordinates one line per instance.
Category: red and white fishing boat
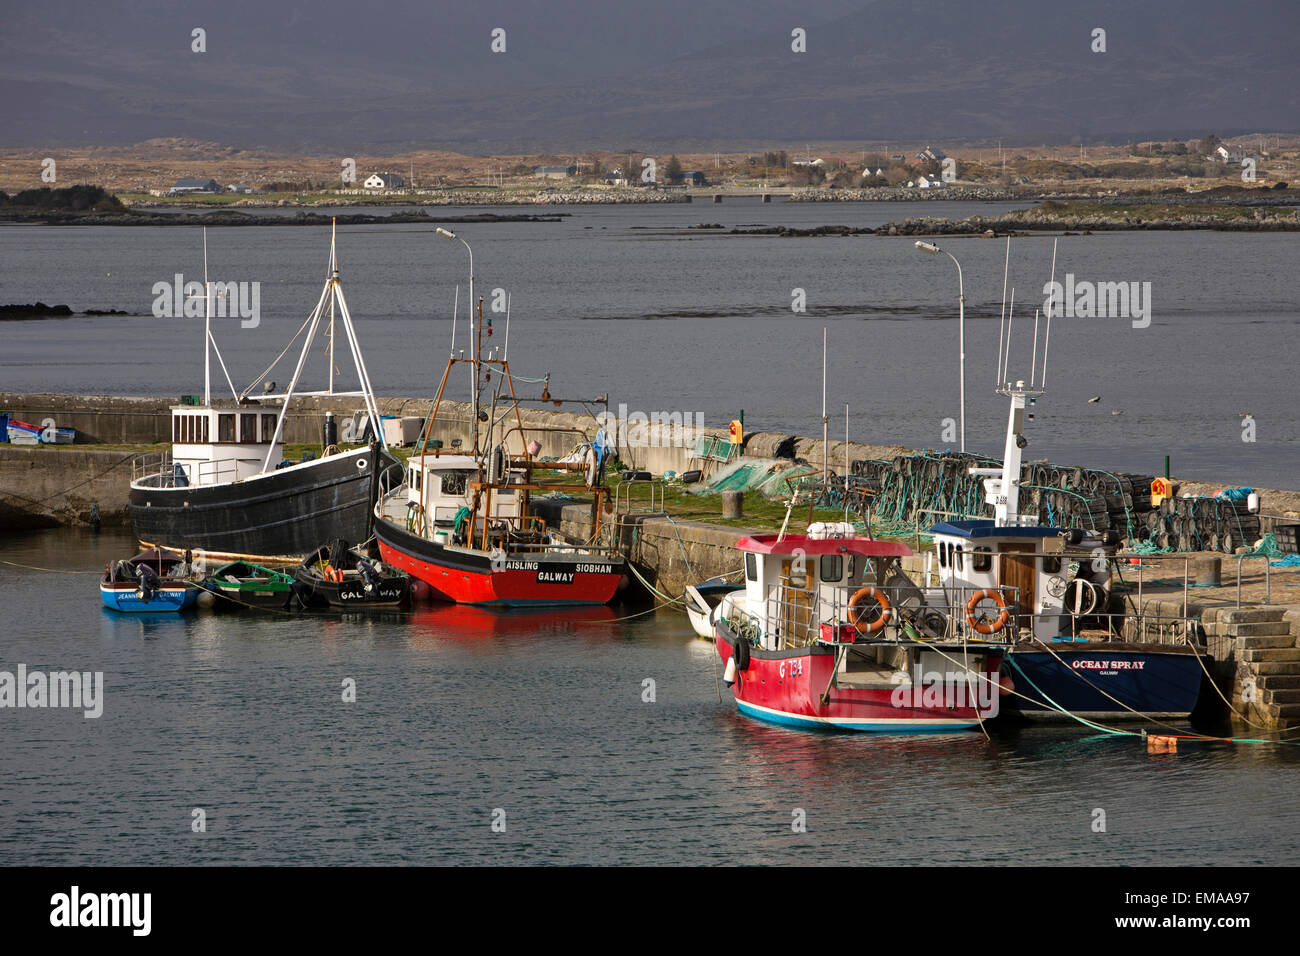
(462, 523)
(824, 636)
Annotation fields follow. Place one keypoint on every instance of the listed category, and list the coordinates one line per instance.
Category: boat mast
(474, 365)
(334, 271)
(207, 326)
(331, 296)
(1002, 485)
(209, 342)
(826, 467)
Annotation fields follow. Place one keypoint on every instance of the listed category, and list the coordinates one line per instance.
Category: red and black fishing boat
(464, 524)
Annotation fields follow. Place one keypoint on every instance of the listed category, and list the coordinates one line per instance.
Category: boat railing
(1100, 622)
(513, 532)
(392, 478)
(161, 470)
(798, 617)
(151, 465)
(217, 472)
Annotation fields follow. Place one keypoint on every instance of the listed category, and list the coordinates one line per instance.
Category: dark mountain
(328, 74)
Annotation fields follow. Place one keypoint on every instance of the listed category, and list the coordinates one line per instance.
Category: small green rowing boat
(251, 585)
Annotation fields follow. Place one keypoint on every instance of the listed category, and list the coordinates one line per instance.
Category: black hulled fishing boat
(225, 490)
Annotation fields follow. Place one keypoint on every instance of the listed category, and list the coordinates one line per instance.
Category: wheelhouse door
(1016, 571)
(796, 601)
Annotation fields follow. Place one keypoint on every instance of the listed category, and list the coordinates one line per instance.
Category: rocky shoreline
(1260, 219)
(39, 310)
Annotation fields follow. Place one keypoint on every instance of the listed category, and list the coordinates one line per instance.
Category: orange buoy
(996, 597)
(855, 613)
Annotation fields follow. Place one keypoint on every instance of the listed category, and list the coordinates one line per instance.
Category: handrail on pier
(1267, 585)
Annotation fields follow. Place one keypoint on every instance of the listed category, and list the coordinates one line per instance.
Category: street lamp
(934, 250)
(448, 234)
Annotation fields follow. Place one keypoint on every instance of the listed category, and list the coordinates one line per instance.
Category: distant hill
(340, 76)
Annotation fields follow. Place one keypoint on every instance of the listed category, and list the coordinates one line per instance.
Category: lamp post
(448, 234)
(934, 250)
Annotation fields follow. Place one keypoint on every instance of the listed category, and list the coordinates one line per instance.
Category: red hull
(786, 688)
(527, 580)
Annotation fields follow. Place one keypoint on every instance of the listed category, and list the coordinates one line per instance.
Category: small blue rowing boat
(154, 581)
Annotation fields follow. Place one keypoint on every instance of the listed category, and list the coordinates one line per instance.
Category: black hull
(351, 595)
(284, 514)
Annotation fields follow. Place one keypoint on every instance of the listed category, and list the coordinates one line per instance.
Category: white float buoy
(729, 675)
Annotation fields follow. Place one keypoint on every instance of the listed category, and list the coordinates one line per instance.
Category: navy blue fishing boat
(1047, 590)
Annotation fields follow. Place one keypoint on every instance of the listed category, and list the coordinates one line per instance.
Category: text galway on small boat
(154, 581)
(341, 576)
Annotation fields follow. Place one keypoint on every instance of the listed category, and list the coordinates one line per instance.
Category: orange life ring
(996, 596)
(855, 616)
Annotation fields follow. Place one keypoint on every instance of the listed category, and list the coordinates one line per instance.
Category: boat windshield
(454, 482)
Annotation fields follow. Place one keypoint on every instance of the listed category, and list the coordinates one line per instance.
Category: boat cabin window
(268, 428)
(225, 428)
(832, 567)
(1052, 564)
(981, 559)
(415, 479)
(190, 429)
(751, 566)
(454, 482)
(248, 429)
(956, 557)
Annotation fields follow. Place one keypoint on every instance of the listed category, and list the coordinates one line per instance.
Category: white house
(384, 181)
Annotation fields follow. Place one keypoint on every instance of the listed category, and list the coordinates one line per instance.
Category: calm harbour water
(628, 300)
(460, 712)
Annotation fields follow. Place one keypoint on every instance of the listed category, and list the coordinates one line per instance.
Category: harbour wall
(46, 486)
(146, 421)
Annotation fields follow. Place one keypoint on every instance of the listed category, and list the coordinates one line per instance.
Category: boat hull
(1154, 681)
(469, 577)
(316, 592)
(281, 515)
(785, 688)
(165, 600)
(712, 593)
(265, 599)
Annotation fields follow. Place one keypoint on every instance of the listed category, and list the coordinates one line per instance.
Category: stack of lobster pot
(1200, 524)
